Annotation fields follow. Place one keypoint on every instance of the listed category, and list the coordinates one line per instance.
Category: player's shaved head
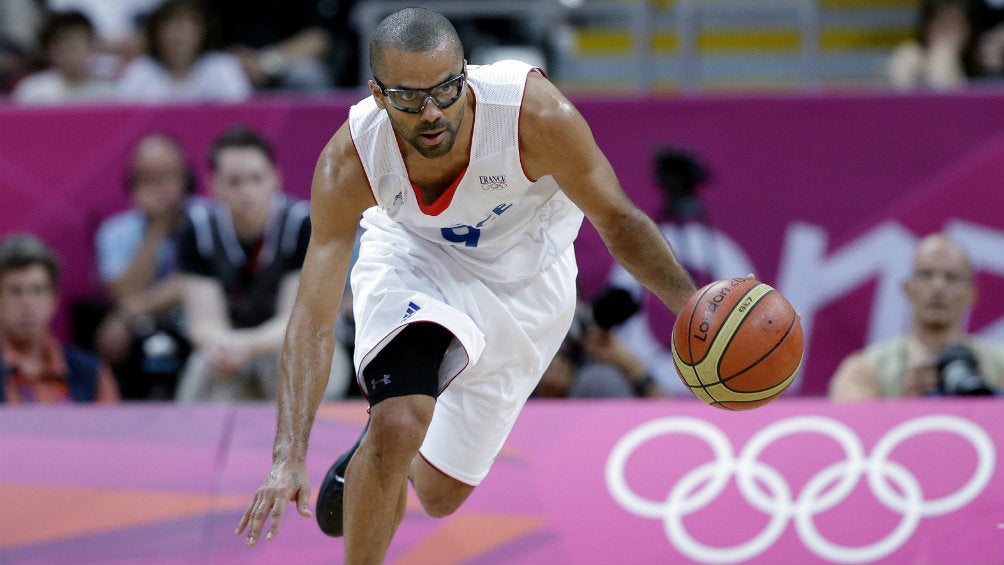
(413, 30)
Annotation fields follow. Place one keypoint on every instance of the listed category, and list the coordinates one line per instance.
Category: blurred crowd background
(142, 330)
(150, 50)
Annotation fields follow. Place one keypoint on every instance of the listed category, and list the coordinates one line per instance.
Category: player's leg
(439, 493)
(525, 325)
(401, 383)
(377, 475)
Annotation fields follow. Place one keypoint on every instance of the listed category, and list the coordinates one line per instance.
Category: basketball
(737, 343)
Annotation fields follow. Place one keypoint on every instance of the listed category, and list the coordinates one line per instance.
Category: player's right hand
(285, 483)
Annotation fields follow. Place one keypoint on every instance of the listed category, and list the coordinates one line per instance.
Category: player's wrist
(286, 457)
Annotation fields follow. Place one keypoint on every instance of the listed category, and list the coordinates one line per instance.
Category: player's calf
(439, 494)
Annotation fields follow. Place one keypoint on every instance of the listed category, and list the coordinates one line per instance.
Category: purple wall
(820, 196)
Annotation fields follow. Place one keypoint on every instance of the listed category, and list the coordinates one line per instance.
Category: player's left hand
(285, 483)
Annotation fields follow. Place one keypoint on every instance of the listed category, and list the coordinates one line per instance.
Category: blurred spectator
(990, 52)
(143, 335)
(941, 55)
(69, 45)
(304, 45)
(594, 363)
(559, 376)
(988, 27)
(34, 365)
(19, 22)
(986, 14)
(182, 63)
(241, 260)
(118, 24)
(935, 357)
(615, 371)
(491, 38)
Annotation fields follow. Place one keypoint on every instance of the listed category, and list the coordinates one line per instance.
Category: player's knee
(399, 431)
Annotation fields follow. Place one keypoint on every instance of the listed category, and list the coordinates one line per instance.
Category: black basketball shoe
(331, 496)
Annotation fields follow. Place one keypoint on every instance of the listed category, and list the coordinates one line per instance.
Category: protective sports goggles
(413, 100)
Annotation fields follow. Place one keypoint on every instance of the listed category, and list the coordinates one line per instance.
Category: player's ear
(377, 95)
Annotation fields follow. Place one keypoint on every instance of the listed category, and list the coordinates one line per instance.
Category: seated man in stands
(241, 261)
(34, 365)
(936, 356)
(143, 336)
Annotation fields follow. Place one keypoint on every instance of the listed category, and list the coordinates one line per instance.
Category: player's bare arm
(339, 195)
(556, 140)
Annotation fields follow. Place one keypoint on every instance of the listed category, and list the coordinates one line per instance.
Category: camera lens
(958, 373)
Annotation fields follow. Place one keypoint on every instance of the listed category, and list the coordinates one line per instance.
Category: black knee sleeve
(409, 364)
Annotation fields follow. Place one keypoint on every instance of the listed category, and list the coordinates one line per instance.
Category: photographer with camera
(593, 362)
(936, 357)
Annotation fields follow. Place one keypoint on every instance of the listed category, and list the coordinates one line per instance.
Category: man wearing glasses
(472, 183)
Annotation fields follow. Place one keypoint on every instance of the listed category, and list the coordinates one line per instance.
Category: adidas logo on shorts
(412, 308)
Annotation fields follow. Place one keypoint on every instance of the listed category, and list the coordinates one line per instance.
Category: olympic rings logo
(827, 488)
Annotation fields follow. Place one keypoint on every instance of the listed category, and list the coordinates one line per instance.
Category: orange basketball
(737, 343)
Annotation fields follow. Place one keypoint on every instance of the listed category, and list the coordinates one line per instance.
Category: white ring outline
(616, 462)
(985, 452)
(878, 468)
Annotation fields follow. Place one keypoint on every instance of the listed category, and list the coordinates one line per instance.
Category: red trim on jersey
(442, 202)
(520, 115)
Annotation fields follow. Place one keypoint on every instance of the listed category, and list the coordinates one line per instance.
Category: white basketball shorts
(505, 335)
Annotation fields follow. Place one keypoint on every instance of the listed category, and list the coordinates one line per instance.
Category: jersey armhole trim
(355, 149)
(519, 117)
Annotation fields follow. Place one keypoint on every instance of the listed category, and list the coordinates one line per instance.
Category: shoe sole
(330, 502)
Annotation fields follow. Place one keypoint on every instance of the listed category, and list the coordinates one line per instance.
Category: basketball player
(472, 182)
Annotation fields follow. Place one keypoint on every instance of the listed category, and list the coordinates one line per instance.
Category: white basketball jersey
(498, 223)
